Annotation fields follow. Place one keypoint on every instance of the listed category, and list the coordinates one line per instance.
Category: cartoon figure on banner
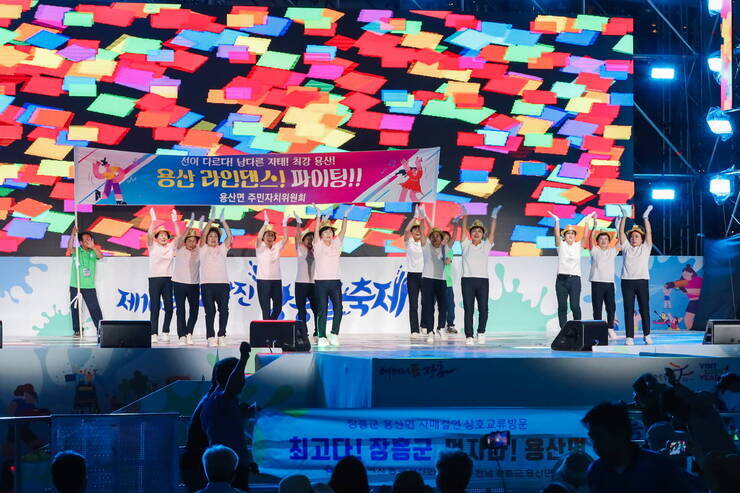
(113, 176)
(671, 322)
(412, 185)
(689, 284)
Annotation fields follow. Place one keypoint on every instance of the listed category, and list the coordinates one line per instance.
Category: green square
(4, 192)
(170, 152)
(104, 54)
(304, 13)
(83, 90)
(248, 128)
(278, 59)
(140, 46)
(269, 141)
(568, 90)
(6, 35)
(58, 222)
(73, 18)
(441, 184)
(591, 22)
(538, 140)
(522, 108)
(112, 104)
(625, 45)
(323, 86)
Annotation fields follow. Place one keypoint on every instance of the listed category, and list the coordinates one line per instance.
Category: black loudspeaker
(722, 332)
(281, 334)
(581, 335)
(125, 334)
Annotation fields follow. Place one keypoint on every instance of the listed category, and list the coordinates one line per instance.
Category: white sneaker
(424, 331)
(182, 341)
(612, 335)
(481, 338)
(648, 339)
(430, 337)
(415, 336)
(629, 341)
(469, 341)
(334, 340)
(155, 339)
(442, 334)
(164, 337)
(221, 340)
(189, 339)
(323, 342)
(211, 341)
(315, 340)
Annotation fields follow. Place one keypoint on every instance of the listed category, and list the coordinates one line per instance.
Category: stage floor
(515, 344)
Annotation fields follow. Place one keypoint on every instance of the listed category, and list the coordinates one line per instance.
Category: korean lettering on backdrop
(105, 176)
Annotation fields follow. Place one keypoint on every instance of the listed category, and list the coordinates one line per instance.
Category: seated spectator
(649, 395)
(297, 483)
(349, 476)
(69, 472)
(623, 466)
(220, 464)
(569, 474)
(454, 469)
(727, 392)
(221, 416)
(409, 482)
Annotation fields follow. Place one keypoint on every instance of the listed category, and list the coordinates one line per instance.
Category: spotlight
(719, 123)
(714, 62)
(663, 194)
(714, 6)
(720, 186)
(666, 73)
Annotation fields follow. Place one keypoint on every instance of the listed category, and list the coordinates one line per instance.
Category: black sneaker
(451, 329)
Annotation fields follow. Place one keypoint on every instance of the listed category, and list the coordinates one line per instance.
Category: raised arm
(589, 227)
(298, 223)
(175, 225)
(424, 226)
(344, 222)
(71, 241)
(492, 227)
(235, 383)
(180, 238)
(150, 231)
(284, 239)
(453, 234)
(262, 230)
(206, 228)
(557, 228)
(229, 236)
(622, 222)
(410, 224)
(648, 228)
(317, 225)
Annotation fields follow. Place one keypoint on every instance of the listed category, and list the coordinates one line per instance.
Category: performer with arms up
(85, 258)
(603, 257)
(214, 281)
(412, 236)
(185, 281)
(637, 244)
(269, 279)
(305, 288)
(161, 259)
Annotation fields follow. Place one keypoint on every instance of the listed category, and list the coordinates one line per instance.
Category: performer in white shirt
(637, 244)
(214, 281)
(603, 258)
(475, 251)
(185, 281)
(305, 288)
(161, 258)
(269, 279)
(568, 282)
(328, 277)
(414, 265)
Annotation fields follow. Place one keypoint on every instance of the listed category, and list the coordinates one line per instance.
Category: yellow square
(255, 44)
(623, 132)
(422, 40)
(79, 132)
(10, 11)
(45, 147)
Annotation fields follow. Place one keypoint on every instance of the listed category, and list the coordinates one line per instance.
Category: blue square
(584, 38)
(275, 26)
(48, 40)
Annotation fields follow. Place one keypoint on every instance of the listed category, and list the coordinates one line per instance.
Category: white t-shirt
(475, 258)
(268, 260)
(326, 266)
(434, 267)
(602, 264)
(187, 263)
(636, 260)
(414, 256)
(569, 258)
(304, 272)
(161, 259)
(213, 264)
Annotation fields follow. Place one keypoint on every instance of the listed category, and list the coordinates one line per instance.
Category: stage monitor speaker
(125, 334)
(722, 332)
(274, 334)
(581, 335)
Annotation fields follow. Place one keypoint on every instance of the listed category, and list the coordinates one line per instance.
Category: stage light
(714, 6)
(720, 186)
(663, 194)
(665, 73)
(719, 123)
(714, 62)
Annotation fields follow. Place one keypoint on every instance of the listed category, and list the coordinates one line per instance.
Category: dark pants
(215, 294)
(413, 289)
(602, 293)
(450, 303)
(475, 290)
(568, 287)
(270, 296)
(306, 291)
(631, 289)
(433, 290)
(160, 288)
(183, 293)
(325, 291)
(90, 296)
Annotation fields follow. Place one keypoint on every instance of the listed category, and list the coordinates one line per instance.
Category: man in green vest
(85, 258)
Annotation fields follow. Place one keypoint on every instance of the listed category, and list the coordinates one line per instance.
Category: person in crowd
(568, 282)
(305, 288)
(269, 279)
(349, 476)
(412, 235)
(569, 474)
(69, 472)
(722, 472)
(475, 250)
(298, 483)
(636, 246)
(727, 392)
(161, 258)
(214, 280)
(328, 277)
(185, 281)
(221, 465)
(650, 396)
(450, 275)
(86, 257)
(603, 259)
(409, 482)
(454, 470)
(221, 416)
(622, 465)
